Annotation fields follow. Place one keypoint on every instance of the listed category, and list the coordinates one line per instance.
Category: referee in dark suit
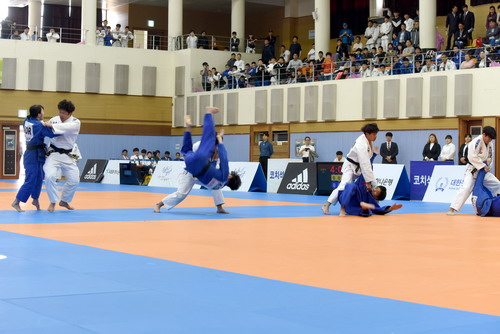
(389, 150)
(266, 150)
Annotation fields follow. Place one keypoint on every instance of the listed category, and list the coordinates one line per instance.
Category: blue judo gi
(355, 193)
(482, 199)
(34, 158)
(199, 163)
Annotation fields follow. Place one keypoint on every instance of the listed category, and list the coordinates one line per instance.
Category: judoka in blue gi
(201, 165)
(34, 157)
(483, 201)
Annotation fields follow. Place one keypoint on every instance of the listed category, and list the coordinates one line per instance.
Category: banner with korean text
(444, 184)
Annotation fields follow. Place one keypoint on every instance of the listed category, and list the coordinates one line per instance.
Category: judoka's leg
(492, 183)
(187, 144)
(347, 177)
(72, 174)
(219, 200)
(51, 169)
(463, 193)
(38, 186)
(186, 183)
(26, 189)
(207, 144)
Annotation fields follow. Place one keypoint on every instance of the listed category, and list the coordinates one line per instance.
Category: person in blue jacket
(201, 165)
(483, 201)
(34, 157)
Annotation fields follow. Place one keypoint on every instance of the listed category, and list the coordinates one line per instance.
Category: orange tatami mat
(429, 258)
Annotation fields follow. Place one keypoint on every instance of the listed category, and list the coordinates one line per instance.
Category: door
(279, 136)
(11, 153)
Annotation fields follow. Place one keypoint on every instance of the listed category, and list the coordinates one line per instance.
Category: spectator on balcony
(418, 66)
(99, 35)
(376, 35)
(395, 41)
(234, 42)
(415, 34)
(295, 47)
(117, 35)
(366, 54)
(429, 66)
(320, 59)
(311, 72)
(267, 52)
(295, 63)
(271, 39)
(203, 41)
(261, 77)
(231, 60)
(218, 80)
(403, 35)
(226, 77)
(408, 50)
(432, 149)
(409, 22)
(396, 67)
(178, 157)
(357, 44)
(369, 35)
(492, 34)
(461, 36)
(482, 61)
(418, 55)
(239, 63)
(285, 53)
(439, 40)
(281, 70)
(311, 55)
(391, 52)
(346, 36)
(498, 16)
(340, 51)
(396, 21)
(492, 16)
(234, 77)
(400, 49)
(108, 37)
(104, 25)
(166, 157)
(342, 74)
(448, 150)
(385, 32)
(52, 36)
(468, 20)
(468, 62)
(452, 20)
(127, 36)
(15, 35)
(192, 40)
(251, 43)
(446, 64)
(328, 67)
(458, 56)
(365, 71)
(25, 36)
(204, 77)
(383, 70)
(6, 28)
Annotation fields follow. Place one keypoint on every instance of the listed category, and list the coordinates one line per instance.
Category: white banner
(246, 171)
(388, 175)
(275, 172)
(444, 184)
(167, 173)
(112, 172)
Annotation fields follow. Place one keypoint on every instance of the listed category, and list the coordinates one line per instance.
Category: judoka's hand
(375, 150)
(49, 125)
(220, 135)
(486, 169)
(368, 186)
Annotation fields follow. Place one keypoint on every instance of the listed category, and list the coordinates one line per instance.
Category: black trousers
(263, 163)
(449, 46)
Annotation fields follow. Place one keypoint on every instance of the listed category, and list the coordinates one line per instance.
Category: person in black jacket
(432, 150)
(452, 25)
(461, 36)
(468, 19)
(203, 40)
(462, 156)
(389, 150)
(234, 42)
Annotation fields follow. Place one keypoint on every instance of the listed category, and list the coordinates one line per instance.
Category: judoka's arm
(66, 128)
(474, 159)
(365, 164)
(224, 164)
(48, 132)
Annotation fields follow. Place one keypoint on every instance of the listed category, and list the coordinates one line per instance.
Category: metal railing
(61, 35)
(374, 66)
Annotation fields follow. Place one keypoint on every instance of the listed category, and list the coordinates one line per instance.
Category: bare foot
(66, 205)
(211, 110)
(396, 207)
(220, 209)
(16, 206)
(157, 207)
(342, 212)
(367, 206)
(451, 212)
(52, 207)
(36, 204)
(325, 209)
(187, 121)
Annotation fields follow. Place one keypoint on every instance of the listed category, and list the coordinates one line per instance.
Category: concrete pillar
(322, 26)
(175, 14)
(376, 7)
(238, 21)
(34, 16)
(89, 21)
(427, 24)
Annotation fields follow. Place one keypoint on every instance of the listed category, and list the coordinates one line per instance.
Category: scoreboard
(328, 175)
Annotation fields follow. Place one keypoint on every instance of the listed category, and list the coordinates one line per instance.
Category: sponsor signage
(93, 171)
(329, 175)
(299, 179)
(112, 172)
(276, 171)
(394, 178)
(420, 176)
(167, 174)
(444, 184)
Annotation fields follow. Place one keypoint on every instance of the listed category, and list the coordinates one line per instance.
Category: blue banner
(420, 175)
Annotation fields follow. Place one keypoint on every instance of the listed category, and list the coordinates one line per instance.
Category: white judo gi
(61, 162)
(361, 153)
(478, 154)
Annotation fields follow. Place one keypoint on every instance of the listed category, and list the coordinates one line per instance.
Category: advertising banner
(93, 172)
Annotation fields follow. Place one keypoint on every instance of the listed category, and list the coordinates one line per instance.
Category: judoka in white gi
(63, 157)
(357, 163)
(201, 165)
(479, 156)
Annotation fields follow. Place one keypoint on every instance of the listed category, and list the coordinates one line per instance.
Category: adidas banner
(93, 171)
(300, 178)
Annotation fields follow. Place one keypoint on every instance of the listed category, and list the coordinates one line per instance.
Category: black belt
(203, 171)
(35, 147)
(354, 163)
(60, 150)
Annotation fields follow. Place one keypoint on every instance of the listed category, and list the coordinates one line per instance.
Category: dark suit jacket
(461, 153)
(468, 20)
(431, 154)
(393, 152)
(407, 36)
(462, 38)
(452, 22)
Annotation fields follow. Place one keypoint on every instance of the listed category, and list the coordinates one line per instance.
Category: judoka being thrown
(201, 166)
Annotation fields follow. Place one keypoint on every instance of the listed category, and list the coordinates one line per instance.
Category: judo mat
(275, 264)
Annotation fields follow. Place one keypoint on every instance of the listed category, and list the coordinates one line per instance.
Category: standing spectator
(192, 40)
(469, 21)
(346, 36)
(340, 51)
(203, 41)
(446, 64)
(452, 20)
(439, 40)
(389, 150)
(415, 34)
(52, 36)
(432, 150)
(311, 55)
(251, 44)
(266, 151)
(320, 59)
(204, 77)
(231, 60)
(239, 63)
(271, 39)
(234, 42)
(492, 16)
(6, 28)
(108, 37)
(448, 151)
(417, 17)
(25, 36)
(127, 36)
(166, 157)
(124, 155)
(467, 63)
(339, 157)
(117, 36)
(462, 153)
(409, 23)
(461, 37)
(99, 35)
(370, 41)
(403, 35)
(178, 157)
(281, 70)
(295, 47)
(396, 23)
(328, 67)
(285, 53)
(307, 151)
(15, 35)
(104, 25)
(385, 33)
(267, 52)
(357, 44)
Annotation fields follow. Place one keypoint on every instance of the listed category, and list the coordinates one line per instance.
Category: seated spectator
(99, 35)
(418, 55)
(272, 71)
(309, 72)
(262, 78)
(357, 43)
(418, 66)
(226, 78)
(156, 156)
(374, 53)
(328, 67)
(429, 66)
(300, 77)
(239, 63)
(52, 36)
(295, 63)
(458, 56)
(135, 157)
(390, 52)
(409, 50)
(468, 62)
(396, 66)
(292, 79)
(178, 157)
(150, 160)
(342, 74)
(15, 35)
(320, 59)
(125, 154)
(359, 55)
(446, 64)
(406, 68)
(286, 54)
(380, 56)
(366, 54)
(340, 157)
(340, 51)
(400, 50)
(492, 34)
(235, 76)
(353, 72)
(166, 157)
(365, 71)
(383, 71)
(231, 60)
(461, 36)
(25, 36)
(432, 150)
(216, 79)
(203, 41)
(394, 42)
(483, 60)
(251, 43)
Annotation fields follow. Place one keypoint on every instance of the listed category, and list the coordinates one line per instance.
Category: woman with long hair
(432, 149)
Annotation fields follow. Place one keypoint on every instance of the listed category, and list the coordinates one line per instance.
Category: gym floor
(275, 264)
